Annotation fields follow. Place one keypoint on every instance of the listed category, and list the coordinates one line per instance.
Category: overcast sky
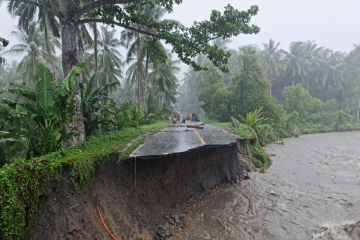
(331, 23)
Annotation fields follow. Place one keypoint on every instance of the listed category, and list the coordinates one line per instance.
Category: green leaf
(3, 133)
(5, 140)
(20, 109)
(90, 88)
(70, 79)
(45, 88)
(58, 136)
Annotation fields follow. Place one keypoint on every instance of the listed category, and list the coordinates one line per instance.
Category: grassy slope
(24, 182)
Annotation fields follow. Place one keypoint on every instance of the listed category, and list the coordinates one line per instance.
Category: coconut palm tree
(163, 79)
(296, 62)
(272, 59)
(45, 13)
(138, 58)
(332, 76)
(110, 64)
(314, 58)
(32, 46)
(141, 52)
(352, 84)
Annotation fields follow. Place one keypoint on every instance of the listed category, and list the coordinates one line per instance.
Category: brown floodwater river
(311, 191)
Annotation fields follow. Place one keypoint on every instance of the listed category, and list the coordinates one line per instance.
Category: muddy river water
(312, 191)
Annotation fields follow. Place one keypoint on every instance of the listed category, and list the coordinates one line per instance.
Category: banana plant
(100, 111)
(41, 114)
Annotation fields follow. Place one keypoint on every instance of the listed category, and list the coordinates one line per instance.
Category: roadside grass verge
(23, 183)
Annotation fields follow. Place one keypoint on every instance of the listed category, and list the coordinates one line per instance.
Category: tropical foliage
(49, 101)
(308, 89)
(39, 115)
(101, 96)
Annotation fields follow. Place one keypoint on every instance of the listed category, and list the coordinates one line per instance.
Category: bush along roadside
(255, 125)
(23, 183)
(255, 133)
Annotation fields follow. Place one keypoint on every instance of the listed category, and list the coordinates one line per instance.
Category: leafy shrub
(244, 131)
(130, 115)
(298, 99)
(266, 134)
(257, 122)
(41, 114)
(260, 158)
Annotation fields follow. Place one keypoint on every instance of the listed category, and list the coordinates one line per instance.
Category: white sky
(331, 23)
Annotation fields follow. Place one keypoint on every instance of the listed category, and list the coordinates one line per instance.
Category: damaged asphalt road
(182, 139)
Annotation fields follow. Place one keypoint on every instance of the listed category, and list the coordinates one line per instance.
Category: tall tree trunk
(96, 48)
(138, 86)
(358, 109)
(139, 76)
(146, 76)
(49, 52)
(69, 60)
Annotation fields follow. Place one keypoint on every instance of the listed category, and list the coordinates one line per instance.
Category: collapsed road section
(132, 199)
(177, 140)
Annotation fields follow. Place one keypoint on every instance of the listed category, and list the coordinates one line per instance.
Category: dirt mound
(132, 200)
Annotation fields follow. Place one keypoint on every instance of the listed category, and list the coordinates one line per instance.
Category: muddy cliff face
(137, 196)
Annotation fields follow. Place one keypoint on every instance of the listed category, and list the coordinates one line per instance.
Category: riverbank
(311, 192)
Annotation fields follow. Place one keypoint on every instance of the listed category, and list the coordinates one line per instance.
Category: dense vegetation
(24, 182)
(316, 90)
(74, 99)
(41, 112)
(73, 84)
(309, 89)
(143, 29)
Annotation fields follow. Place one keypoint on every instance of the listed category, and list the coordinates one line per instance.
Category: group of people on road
(183, 119)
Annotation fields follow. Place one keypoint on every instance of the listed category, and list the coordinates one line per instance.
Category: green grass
(243, 131)
(225, 125)
(24, 182)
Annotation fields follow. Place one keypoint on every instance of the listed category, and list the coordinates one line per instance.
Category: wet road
(181, 139)
(312, 191)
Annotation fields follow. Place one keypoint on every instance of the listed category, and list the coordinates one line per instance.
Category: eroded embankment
(136, 197)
